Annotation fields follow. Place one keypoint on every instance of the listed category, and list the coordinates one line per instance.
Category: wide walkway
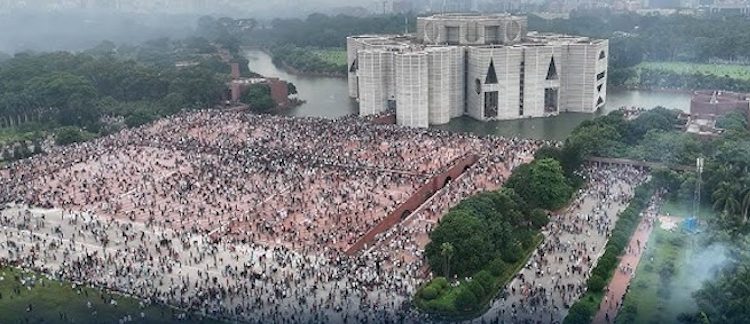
(620, 282)
(555, 275)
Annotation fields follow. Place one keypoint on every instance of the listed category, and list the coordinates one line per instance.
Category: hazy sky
(45, 25)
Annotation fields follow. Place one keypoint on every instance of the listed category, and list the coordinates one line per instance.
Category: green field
(27, 297)
(336, 56)
(740, 72)
(10, 135)
(663, 285)
(673, 267)
(672, 208)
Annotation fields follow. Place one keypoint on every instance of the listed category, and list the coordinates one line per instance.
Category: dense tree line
(660, 78)
(649, 137)
(488, 236)
(302, 60)
(584, 310)
(637, 37)
(319, 30)
(653, 137)
(165, 53)
(726, 188)
(79, 89)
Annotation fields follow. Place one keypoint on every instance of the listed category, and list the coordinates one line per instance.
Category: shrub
(539, 218)
(485, 279)
(628, 313)
(677, 241)
(429, 293)
(139, 118)
(476, 288)
(69, 135)
(667, 271)
(512, 254)
(440, 283)
(498, 267)
(466, 300)
(596, 283)
(528, 240)
(581, 312)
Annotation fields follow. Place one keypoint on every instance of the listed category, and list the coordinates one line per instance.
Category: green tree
(745, 200)
(446, 251)
(542, 184)
(727, 298)
(725, 199)
(139, 118)
(596, 138)
(467, 234)
(258, 96)
(69, 135)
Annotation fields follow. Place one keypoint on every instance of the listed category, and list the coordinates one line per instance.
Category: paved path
(620, 282)
(555, 276)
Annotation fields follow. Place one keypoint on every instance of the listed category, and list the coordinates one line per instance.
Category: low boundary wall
(417, 199)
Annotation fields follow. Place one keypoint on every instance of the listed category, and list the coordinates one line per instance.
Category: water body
(328, 97)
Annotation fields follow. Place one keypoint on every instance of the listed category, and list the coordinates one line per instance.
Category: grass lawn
(9, 135)
(49, 299)
(336, 56)
(740, 72)
(677, 209)
(664, 281)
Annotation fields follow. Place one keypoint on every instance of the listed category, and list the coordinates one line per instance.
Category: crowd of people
(556, 275)
(245, 217)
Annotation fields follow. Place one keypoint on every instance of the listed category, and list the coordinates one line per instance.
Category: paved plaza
(242, 217)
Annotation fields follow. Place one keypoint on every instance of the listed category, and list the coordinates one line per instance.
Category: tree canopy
(77, 89)
(480, 229)
(542, 184)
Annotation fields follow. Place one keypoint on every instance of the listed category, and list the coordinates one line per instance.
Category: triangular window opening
(491, 74)
(354, 67)
(600, 101)
(552, 70)
(599, 88)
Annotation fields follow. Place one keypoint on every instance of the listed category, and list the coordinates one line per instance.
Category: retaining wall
(417, 199)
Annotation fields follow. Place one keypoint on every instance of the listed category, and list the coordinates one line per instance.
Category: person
(245, 217)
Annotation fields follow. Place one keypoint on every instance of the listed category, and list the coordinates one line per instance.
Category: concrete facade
(486, 67)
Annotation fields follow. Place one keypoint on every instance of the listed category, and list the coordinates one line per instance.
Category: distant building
(718, 103)
(707, 106)
(279, 89)
(487, 67)
(725, 7)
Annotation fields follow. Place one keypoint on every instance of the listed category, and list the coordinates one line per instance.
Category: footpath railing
(643, 164)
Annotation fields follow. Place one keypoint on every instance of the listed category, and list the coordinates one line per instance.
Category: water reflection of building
(486, 67)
